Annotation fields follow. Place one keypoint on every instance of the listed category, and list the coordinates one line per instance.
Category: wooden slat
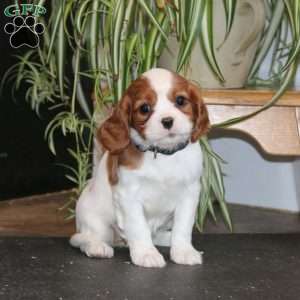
(249, 97)
(39, 216)
(36, 216)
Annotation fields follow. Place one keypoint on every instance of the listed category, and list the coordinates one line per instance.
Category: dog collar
(156, 149)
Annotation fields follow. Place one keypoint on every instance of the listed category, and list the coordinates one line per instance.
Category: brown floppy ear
(201, 119)
(113, 134)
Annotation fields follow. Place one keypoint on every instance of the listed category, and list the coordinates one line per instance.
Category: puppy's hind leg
(95, 217)
(91, 245)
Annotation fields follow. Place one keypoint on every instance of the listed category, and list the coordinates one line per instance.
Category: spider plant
(281, 37)
(99, 46)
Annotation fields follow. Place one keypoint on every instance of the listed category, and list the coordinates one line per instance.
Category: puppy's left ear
(201, 119)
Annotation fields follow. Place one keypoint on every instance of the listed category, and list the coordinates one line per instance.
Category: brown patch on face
(186, 96)
(143, 99)
(134, 110)
(181, 89)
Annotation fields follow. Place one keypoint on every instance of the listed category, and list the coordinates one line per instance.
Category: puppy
(147, 183)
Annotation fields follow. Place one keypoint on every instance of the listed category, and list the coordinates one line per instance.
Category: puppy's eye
(145, 108)
(180, 100)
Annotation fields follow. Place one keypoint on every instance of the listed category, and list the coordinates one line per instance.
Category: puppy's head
(160, 109)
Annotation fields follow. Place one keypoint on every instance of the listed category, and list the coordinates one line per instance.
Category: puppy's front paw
(186, 255)
(98, 249)
(148, 257)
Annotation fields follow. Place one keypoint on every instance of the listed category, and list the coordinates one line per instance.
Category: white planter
(235, 56)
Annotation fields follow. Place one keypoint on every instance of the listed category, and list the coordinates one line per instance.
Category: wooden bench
(277, 130)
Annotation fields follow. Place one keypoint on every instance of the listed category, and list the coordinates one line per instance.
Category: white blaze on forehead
(159, 79)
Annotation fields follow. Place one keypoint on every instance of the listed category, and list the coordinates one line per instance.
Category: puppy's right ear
(114, 134)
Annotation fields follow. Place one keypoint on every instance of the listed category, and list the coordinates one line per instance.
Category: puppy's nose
(167, 122)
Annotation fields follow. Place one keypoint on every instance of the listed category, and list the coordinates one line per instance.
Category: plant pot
(234, 56)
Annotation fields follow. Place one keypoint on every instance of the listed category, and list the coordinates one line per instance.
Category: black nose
(167, 122)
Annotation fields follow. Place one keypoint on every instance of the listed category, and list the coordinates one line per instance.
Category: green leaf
(81, 15)
(212, 187)
(212, 211)
(116, 29)
(294, 18)
(82, 100)
(269, 36)
(226, 214)
(202, 210)
(150, 43)
(54, 31)
(204, 143)
(122, 56)
(60, 53)
(192, 31)
(229, 7)
(147, 9)
(297, 17)
(180, 20)
(290, 12)
(292, 57)
(206, 40)
(94, 34)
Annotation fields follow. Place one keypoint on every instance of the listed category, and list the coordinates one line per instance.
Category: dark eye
(180, 100)
(145, 108)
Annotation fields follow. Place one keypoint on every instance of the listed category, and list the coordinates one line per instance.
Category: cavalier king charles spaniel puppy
(146, 187)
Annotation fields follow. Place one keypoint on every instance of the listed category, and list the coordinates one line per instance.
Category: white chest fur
(157, 185)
